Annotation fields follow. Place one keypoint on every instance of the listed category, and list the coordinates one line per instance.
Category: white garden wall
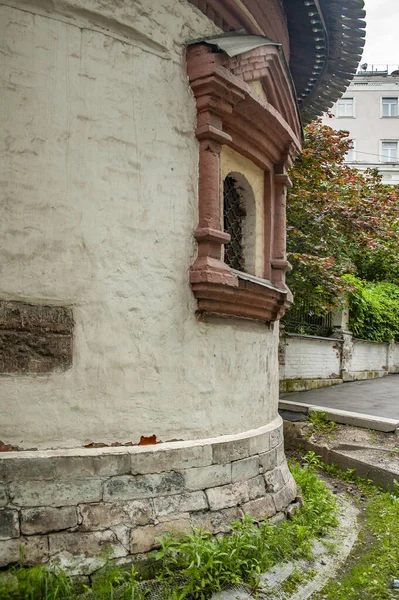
(308, 362)
(394, 359)
(369, 359)
(311, 357)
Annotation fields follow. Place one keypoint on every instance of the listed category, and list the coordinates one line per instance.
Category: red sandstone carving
(259, 18)
(267, 133)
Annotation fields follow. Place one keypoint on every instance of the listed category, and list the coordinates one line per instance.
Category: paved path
(378, 397)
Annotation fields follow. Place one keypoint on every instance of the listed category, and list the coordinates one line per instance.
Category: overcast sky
(382, 32)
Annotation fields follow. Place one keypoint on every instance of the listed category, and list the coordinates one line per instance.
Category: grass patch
(321, 423)
(374, 563)
(35, 583)
(200, 564)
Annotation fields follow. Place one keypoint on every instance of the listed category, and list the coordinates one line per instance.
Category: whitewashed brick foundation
(69, 506)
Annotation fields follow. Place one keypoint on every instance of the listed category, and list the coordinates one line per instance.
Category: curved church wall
(100, 344)
(99, 204)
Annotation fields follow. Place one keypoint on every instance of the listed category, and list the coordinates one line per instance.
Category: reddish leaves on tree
(339, 219)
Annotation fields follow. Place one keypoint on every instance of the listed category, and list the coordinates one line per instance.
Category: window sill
(250, 298)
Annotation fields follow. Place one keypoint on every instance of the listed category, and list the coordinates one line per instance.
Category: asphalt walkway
(377, 397)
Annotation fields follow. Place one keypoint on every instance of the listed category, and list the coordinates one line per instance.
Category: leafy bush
(339, 220)
(374, 310)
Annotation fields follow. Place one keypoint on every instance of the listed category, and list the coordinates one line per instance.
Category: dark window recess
(233, 217)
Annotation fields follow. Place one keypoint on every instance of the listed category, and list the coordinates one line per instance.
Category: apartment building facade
(369, 110)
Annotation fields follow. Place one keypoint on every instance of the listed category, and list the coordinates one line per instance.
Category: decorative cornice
(257, 18)
(283, 179)
(264, 133)
(323, 41)
(264, 64)
(341, 24)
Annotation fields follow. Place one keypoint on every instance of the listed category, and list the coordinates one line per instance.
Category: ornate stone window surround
(264, 128)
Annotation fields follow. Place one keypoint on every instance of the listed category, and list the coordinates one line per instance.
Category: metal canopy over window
(233, 217)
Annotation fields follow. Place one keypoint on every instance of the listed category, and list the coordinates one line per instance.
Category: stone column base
(81, 507)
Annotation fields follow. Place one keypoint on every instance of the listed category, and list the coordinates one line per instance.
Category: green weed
(321, 423)
(35, 583)
(200, 564)
(114, 582)
(292, 582)
(375, 569)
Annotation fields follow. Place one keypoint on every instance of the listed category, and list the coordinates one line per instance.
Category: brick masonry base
(81, 507)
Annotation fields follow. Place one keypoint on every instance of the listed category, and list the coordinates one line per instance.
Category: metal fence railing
(302, 318)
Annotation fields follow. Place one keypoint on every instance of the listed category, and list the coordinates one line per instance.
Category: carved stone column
(209, 266)
(279, 262)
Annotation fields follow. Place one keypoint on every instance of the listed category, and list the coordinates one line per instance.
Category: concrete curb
(344, 417)
(381, 476)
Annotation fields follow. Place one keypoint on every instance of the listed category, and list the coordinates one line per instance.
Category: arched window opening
(239, 222)
(233, 216)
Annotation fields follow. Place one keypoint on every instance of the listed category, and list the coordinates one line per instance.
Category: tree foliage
(374, 310)
(339, 220)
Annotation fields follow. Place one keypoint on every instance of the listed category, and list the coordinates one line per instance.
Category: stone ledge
(69, 506)
(345, 417)
(55, 493)
(35, 550)
(302, 385)
(161, 447)
(46, 519)
(134, 487)
(77, 463)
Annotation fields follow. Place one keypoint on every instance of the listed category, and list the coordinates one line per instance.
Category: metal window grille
(302, 318)
(233, 217)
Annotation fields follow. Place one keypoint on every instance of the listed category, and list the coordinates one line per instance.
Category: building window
(389, 107)
(239, 221)
(389, 151)
(246, 212)
(350, 156)
(346, 107)
(233, 220)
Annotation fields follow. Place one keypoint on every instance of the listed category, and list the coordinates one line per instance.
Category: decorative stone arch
(261, 124)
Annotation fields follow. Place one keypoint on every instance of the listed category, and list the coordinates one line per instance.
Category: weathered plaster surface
(258, 89)
(99, 203)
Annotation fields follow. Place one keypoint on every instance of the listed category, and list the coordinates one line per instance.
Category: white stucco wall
(369, 356)
(368, 128)
(394, 359)
(310, 358)
(99, 203)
